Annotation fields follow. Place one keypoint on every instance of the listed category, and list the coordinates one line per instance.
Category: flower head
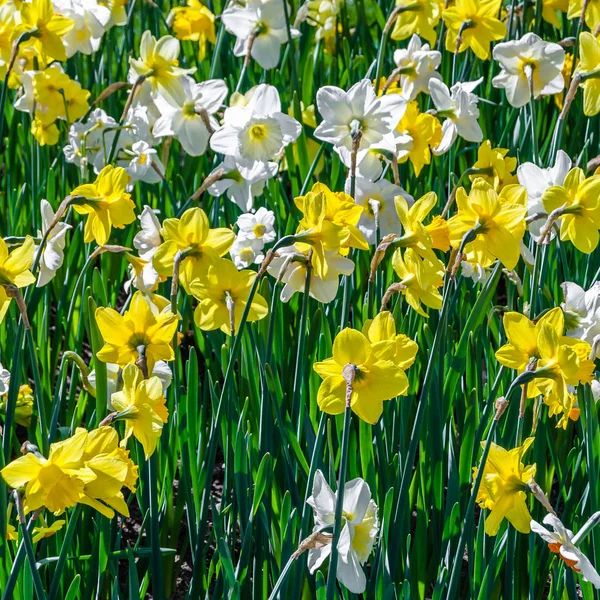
(419, 17)
(589, 59)
(14, 270)
(498, 165)
(193, 22)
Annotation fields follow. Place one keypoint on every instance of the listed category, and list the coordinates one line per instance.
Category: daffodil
(57, 482)
(376, 377)
(592, 12)
(589, 62)
(105, 203)
(223, 294)
(46, 531)
(158, 64)
(551, 9)
(493, 227)
(141, 404)
(45, 29)
(417, 16)
(193, 22)
(420, 279)
(200, 245)
(495, 166)
(23, 406)
(14, 270)
(504, 486)
(473, 24)
(578, 202)
(140, 331)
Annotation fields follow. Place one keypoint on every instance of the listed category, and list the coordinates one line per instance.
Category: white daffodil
(189, 119)
(359, 530)
(262, 24)
(289, 266)
(90, 23)
(536, 181)
(562, 542)
(582, 311)
(147, 241)
(255, 134)
(142, 163)
(377, 200)
(417, 65)
(458, 105)
(247, 251)
(53, 255)
(595, 385)
(4, 380)
(357, 112)
(239, 189)
(474, 271)
(257, 226)
(529, 65)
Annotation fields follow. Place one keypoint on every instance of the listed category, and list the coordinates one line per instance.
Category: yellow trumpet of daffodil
(158, 64)
(140, 331)
(141, 404)
(580, 217)
(223, 295)
(56, 482)
(113, 469)
(417, 16)
(45, 29)
(494, 225)
(589, 62)
(376, 377)
(200, 245)
(193, 22)
(500, 167)
(14, 270)
(105, 203)
(473, 24)
(420, 279)
(422, 238)
(504, 486)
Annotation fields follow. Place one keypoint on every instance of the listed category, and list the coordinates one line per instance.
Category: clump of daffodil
(588, 68)
(329, 223)
(223, 294)
(577, 208)
(199, 244)
(42, 29)
(473, 24)
(106, 204)
(487, 227)
(23, 407)
(375, 375)
(504, 487)
(14, 271)
(422, 238)
(141, 404)
(158, 65)
(142, 334)
(419, 132)
(420, 279)
(417, 16)
(494, 166)
(193, 22)
(57, 482)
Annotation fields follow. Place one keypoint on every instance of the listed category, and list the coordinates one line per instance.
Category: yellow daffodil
(45, 531)
(580, 217)
(499, 167)
(200, 245)
(477, 25)
(113, 469)
(158, 64)
(23, 407)
(376, 377)
(418, 16)
(106, 204)
(589, 62)
(45, 28)
(497, 226)
(551, 10)
(14, 270)
(420, 279)
(11, 533)
(381, 330)
(140, 331)
(56, 482)
(223, 295)
(569, 411)
(7, 26)
(193, 22)
(422, 238)
(59, 95)
(44, 129)
(504, 486)
(424, 131)
(592, 12)
(141, 404)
